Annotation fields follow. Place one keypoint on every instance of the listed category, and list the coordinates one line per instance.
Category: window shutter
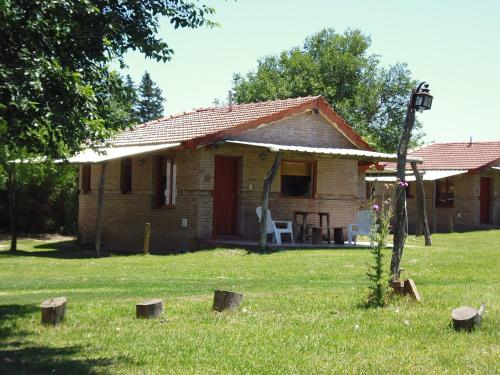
(86, 173)
(126, 176)
(158, 192)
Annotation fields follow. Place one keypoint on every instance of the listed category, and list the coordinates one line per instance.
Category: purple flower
(403, 184)
(375, 207)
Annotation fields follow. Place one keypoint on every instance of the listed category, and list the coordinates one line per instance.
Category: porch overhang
(345, 153)
(117, 152)
(426, 176)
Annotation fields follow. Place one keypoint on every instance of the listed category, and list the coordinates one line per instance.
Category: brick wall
(466, 209)
(339, 186)
(124, 215)
(308, 130)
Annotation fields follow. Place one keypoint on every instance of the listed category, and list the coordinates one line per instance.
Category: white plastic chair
(363, 226)
(272, 228)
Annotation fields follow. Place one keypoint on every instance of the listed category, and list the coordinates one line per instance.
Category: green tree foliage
(150, 101)
(47, 198)
(132, 93)
(370, 97)
(53, 66)
(57, 93)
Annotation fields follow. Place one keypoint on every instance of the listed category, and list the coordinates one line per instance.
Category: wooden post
(422, 219)
(434, 223)
(411, 289)
(265, 200)
(401, 225)
(450, 224)
(100, 203)
(53, 310)
(149, 309)
(12, 206)
(147, 233)
(224, 300)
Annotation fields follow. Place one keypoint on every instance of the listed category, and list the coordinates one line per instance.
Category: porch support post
(422, 214)
(265, 200)
(434, 224)
(100, 203)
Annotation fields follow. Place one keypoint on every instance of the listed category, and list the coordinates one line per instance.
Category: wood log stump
(53, 310)
(225, 300)
(149, 309)
(466, 317)
(411, 289)
(480, 313)
(398, 286)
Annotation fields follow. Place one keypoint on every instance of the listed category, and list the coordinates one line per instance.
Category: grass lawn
(301, 312)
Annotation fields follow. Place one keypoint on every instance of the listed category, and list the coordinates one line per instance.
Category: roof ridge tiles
(255, 104)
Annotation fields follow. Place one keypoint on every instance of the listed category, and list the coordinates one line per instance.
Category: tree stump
(224, 300)
(466, 317)
(398, 286)
(149, 309)
(53, 310)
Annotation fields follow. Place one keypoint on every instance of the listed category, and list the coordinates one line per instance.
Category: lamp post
(420, 100)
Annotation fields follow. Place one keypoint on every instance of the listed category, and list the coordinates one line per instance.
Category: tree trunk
(53, 310)
(100, 203)
(401, 226)
(224, 300)
(265, 200)
(422, 219)
(149, 309)
(12, 206)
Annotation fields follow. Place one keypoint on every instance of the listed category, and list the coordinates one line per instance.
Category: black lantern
(423, 100)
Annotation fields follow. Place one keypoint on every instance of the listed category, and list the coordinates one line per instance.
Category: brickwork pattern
(308, 130)
(466, 209)
(124, 215)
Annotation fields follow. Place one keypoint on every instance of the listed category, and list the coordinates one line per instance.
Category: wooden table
(324, 217)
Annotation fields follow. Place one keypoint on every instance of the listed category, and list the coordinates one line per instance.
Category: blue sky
(453, 45)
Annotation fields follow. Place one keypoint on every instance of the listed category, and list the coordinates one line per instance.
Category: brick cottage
(461, 183)
(199, 175)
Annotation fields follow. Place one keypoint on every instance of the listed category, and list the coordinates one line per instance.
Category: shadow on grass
(9, 325)
(46, 360)
(20, 356)
(69, 249)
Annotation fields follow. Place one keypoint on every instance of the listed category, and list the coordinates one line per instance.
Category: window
(86, 173)
(126, 176)
(297, 179)
(445, 193)
(166, 182)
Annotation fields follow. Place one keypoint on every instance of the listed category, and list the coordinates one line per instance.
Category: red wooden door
(226, 187)
(484, 200)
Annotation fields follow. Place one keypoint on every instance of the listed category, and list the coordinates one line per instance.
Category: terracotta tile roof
(208, 124)
(457, 155)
